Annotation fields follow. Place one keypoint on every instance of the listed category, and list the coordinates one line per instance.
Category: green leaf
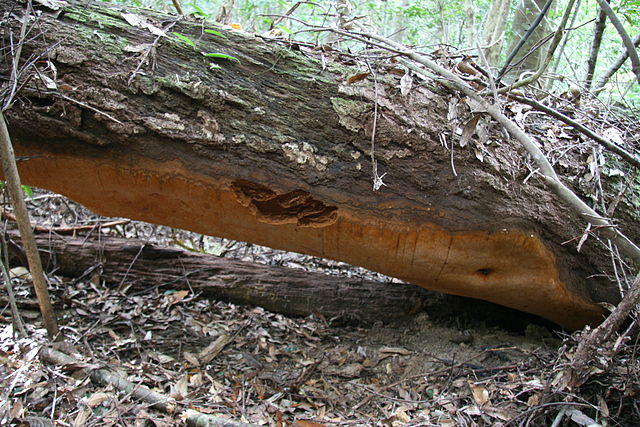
(216, 33)
(198, 11)
(285, 29)
(214, 67)
(185, 39)
(221, 56)
(27, 190)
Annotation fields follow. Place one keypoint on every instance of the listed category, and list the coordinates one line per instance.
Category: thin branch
(524, 38)
(16, 56)
(631, 158)
(603, 333)
(598, 31)
(563, 46)
(626, 40)
(16, 319)
(24, 225)
(106, 377)
(82, 104)
(604, 77)
(547, 60)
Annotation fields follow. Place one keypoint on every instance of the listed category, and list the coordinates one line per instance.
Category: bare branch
(604, 78)
(631, 158)
(626, 40)
(598, 31)
(24, 225)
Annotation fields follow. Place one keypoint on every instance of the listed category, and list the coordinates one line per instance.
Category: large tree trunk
(274, 149)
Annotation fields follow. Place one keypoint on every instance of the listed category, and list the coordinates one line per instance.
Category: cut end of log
(509, 267)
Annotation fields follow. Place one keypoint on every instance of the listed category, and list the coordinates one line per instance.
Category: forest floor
(253, 366)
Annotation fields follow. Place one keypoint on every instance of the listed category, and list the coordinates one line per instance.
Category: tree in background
(493, 31)
(598, 32)
(532, 52)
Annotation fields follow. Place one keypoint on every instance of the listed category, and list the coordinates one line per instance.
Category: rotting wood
(185, 139)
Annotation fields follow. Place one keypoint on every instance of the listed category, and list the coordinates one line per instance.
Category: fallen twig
(633, 159)
(69, 230)
(104, 377)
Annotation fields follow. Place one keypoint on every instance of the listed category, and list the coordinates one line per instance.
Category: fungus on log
(274, 148)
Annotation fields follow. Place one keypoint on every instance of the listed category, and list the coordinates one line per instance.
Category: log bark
(274, 149)
(141, 267)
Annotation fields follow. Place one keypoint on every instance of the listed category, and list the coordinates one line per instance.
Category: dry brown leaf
(401, 415)
(16, 409)
(180, 389)
(604, 408)
(396, 71)
(466, 67)
(406, 82)
(469, 129)
(395, 350)
(306, 423)
(191, 358)
(82, 417)
(98, 399)
(177, 297)
(209, 353)
(500, 413)
(356, 78)
(479, 393)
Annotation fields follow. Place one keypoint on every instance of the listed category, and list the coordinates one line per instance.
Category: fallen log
(274, 148)
(129, 263)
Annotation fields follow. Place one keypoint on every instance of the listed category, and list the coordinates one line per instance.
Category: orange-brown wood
(508, 267)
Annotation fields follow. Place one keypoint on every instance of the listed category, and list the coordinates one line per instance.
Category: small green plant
(214, 55)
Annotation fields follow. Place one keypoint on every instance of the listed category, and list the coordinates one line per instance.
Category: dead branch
(523, 40)
(631, 158)
(604, 78)
(16, 319)
(68, 230)
(598, 31)
(547, 59)
(141, 266)
(601, 335)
